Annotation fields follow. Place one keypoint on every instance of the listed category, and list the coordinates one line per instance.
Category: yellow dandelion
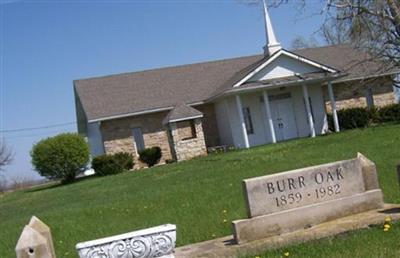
(286, 254)
(386, 226)
(388, 219)
(224, 211)
(225, 220)
(257, 257)
(385, 229)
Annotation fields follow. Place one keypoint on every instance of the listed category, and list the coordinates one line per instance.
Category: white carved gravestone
(147, 243)
(301, 198)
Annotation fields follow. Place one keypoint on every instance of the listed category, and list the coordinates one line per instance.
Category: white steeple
(271, 45)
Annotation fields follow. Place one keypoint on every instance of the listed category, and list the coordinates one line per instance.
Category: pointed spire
(271, 44)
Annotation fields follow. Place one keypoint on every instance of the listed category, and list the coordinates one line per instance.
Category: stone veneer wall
(210, 125)
(188, 148)
(117, 135)
(353, 94)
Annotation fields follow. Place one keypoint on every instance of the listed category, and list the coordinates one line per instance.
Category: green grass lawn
(194, 195)
(366, 243)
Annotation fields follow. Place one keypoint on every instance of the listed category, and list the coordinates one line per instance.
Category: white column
(269, 116)
(241, 119)
(333, 106)
(308, 108)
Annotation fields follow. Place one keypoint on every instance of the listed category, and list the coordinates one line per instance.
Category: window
(369, 96)
(186, 130)
(247, 120)
(138, 141)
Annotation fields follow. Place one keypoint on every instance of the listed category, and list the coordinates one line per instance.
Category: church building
(240, 102)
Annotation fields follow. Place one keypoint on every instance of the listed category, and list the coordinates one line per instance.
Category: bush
(150, 156)
(373, 115)
(353, 118)
(124, 159)
(390, 113)
(363, 117)
(60, 157)
(331, 125)
(111, 164)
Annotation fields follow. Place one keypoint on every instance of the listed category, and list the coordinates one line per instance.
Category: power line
(31, 135)
(36, 128)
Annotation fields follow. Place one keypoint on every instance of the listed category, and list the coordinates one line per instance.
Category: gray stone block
(301, 198)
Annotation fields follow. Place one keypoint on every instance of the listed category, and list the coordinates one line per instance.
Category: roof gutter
(274, 86)
(185, 118)
(366, 77)
(143, 112)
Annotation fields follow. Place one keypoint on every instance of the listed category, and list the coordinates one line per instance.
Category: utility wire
(36, 128)
(48, 134)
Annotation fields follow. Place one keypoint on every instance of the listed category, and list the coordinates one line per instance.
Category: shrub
(124, 159)
(111, 164)
(353, 118)
(331, 125)
(60, 157)
(373, 115)
(105, 165)
(150, 156)
(363, 117)
(389, 113)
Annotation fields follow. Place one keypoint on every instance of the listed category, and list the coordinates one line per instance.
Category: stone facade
(117, 135)
(354, 93)
(176, 140)
(210, 125)
(187, 138)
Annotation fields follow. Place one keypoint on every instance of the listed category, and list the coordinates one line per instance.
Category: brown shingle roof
(139, 91)
(128, 93)
(355, 62)
(181, 112)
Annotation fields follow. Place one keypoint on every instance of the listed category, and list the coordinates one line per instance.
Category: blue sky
(45, 45)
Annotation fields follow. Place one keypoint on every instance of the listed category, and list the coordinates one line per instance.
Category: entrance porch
(268, 114)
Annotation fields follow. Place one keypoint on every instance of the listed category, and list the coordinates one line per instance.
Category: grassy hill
(200, 196)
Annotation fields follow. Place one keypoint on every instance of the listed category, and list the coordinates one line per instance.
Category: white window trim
(275, 56)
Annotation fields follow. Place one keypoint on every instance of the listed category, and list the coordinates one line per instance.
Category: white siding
(94, 139)
(318, 108)
(253, 102)
(283, 66)
(237, 136)
(396, 89)
(223, 121)
(262, 133)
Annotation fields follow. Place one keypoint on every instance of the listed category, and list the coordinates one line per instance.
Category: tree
(373, 26)
(334, 32)
(60, 157)
(6, 155)
(300, 42)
